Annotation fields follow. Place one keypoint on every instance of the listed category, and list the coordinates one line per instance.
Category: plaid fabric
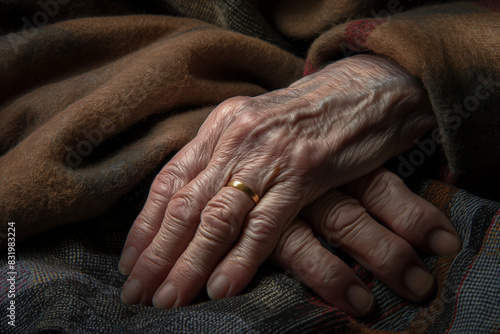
(67, 282)
(243, 16)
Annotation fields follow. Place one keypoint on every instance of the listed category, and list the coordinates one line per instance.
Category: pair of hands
(294, 147)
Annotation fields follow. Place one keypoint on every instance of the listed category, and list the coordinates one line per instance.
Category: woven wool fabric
(68, 282)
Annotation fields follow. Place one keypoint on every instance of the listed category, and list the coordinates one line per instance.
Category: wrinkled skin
(294, 147)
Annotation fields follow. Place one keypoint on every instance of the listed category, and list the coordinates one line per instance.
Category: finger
(220, 227)
(178, 227)
(185, 165)
(419, 222)
(341, 219)
(301, 254)
(261, 234)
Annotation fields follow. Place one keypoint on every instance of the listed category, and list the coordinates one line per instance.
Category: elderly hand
(290, 147)
(349, 220)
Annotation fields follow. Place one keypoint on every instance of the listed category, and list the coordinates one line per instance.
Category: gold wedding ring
(241, 186)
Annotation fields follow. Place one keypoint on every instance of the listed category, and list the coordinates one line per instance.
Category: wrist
(373, 89)
(378, 73)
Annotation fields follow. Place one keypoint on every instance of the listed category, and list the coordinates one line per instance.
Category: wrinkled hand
(290, 146)
(350, 220)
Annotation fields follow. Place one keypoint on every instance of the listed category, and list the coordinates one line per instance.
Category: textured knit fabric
(95, 97)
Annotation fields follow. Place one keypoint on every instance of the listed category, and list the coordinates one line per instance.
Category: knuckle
(195, 268)
(306, 269)
(142, 229)
(380, 182)
(156, 259)
(305, 158)
(292, 243)
(233, 105)
(390, 252)
(332, 273)
(218, 222)
(262, 228)
(304, 262)
(410, 220)
(167, 180)
(177, 217)
(237, 101)
(157, 193)
(243, 117)
(318, 268)
(343, 217)
(380, 185)
(245, 262)
(247, 121)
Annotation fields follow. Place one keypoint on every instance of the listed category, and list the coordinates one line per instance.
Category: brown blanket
(90, 107)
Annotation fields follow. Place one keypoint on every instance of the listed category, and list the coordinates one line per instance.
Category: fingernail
(360, 299)
(127, 260)
(165, 297)
(442, 242)
(218, 288)
(418, 281)
(132, 292)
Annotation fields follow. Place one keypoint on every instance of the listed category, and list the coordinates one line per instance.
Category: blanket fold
(77, 132)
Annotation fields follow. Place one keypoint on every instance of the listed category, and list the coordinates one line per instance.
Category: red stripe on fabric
(340, 319)
(357, 32)
(492, 5)
(458, 293)
(308, 68)
(447, 175)
(495, 217)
